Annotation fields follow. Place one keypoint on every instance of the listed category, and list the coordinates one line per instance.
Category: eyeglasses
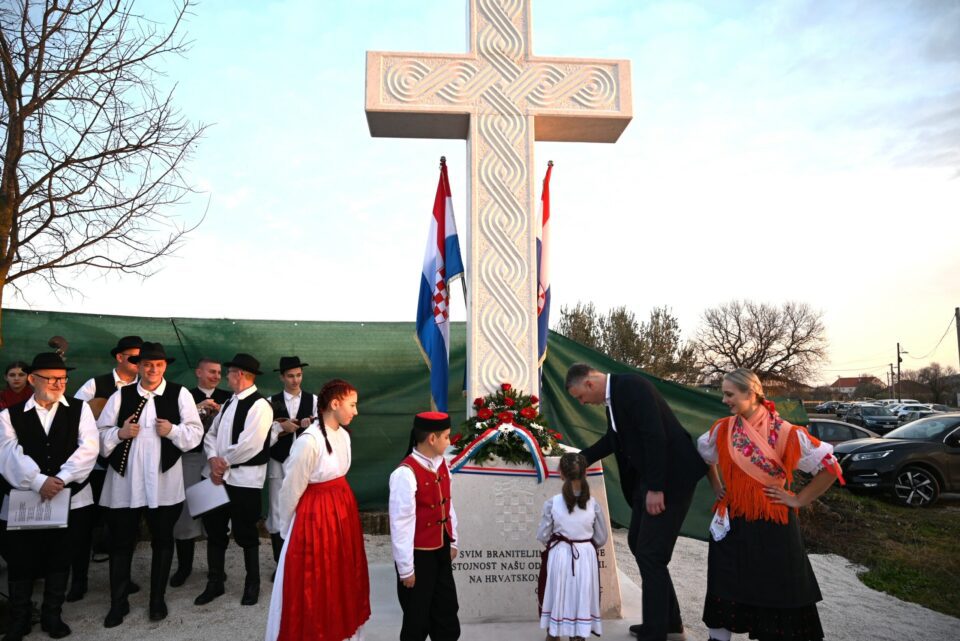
(53, 379)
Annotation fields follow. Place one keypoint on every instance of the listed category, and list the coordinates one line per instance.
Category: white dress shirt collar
(32, 403)
(245, 393)
(207, 391)
(119, 382)
(161, 388)
(432, 464)
(287, 396)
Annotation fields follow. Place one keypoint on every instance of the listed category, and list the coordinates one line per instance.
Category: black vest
(281, 449)
(49, 451)
(239, 418)
(106, 385)
(166, 406)
(220, 397)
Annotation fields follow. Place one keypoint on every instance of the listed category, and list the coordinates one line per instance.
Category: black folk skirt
(760, 582)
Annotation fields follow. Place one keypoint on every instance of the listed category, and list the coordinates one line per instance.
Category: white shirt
(403, 512)
(23, 473)
(309, 462)
(144, 485)
(89, 389)
(293, 406)
(256, 430)
(606, 400)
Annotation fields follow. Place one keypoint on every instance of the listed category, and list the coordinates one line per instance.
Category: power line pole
(890, 381)
(899, 360)
(956, 323)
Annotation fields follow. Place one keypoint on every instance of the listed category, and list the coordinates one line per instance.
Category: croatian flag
(543, 268)
(441, 265)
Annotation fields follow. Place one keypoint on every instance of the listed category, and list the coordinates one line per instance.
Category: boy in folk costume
(423, 527)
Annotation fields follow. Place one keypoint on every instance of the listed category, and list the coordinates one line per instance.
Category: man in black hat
(209, 399)
(293, 411)
(237, 448)
(95, 392)
(48, 445)
(144, 431)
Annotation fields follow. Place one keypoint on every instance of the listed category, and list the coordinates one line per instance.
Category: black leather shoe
(55, 629)
(132, 588)
(158, 609)
(677, 635)
(211, 592)
(251, 592)
(180, 577)
(78, 589)
(115, 615)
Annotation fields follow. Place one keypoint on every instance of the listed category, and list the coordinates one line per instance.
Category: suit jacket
(652, 449)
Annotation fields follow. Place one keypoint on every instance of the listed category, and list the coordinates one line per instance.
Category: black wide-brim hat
(151, 352)
(48, 360)
(290, 362)
(245, 362)
(127, 342)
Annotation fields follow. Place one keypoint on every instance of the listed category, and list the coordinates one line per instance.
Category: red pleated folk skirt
(326, 589)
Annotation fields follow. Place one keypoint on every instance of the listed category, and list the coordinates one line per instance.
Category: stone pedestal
(498, 511)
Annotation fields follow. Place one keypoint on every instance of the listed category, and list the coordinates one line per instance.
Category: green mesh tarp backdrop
(381, 360)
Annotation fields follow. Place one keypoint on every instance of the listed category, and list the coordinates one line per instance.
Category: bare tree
(788, 340)
(93, 150)
(940, 380)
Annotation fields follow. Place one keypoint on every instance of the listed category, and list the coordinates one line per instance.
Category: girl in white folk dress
(572, 527)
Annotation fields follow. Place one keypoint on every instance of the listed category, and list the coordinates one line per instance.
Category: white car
(902, 411)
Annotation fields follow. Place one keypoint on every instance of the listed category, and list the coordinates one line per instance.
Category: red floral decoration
(507, 406)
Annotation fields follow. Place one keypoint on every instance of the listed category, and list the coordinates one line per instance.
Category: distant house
(847, 385)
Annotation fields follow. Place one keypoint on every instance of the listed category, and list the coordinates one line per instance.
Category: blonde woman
(759, 580)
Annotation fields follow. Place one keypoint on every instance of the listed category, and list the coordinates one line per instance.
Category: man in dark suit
(659, 470)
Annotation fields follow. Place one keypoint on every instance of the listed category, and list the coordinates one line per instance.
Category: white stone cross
(500, 98)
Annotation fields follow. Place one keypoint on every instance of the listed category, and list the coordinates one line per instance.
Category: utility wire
(949, 325)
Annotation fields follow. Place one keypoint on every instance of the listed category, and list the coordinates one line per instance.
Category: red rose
(456, 438)
(505, 417)
(558, 436)
(528, 412)
(506, 387)
(484, 413)
(534, 400)
(478, 402)
(508, 402)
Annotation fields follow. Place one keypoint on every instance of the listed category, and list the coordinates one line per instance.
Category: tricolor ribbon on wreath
(501, 431)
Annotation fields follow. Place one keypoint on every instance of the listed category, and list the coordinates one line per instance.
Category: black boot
(159, 573)
(215, 575)
(54, 590)
(251, 585)
(184, 563)
(20, 610)
(79, 569)
(119, 589)
(277, 542)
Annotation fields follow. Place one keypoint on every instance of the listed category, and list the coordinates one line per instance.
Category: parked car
(936, 407)
(913, 416)
(873, 417)
(826, 408)
(834, 432)
(842, 409)
(915, 462)
(902, 411)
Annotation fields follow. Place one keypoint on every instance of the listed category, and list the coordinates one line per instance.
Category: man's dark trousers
(652, 539)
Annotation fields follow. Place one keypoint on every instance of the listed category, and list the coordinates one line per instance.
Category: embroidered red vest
(433, 505)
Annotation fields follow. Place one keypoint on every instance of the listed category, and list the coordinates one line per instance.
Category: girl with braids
(759, 580)
(572, 527)
(321, 591)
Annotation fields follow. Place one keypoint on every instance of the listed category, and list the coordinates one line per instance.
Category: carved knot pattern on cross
(499, 97)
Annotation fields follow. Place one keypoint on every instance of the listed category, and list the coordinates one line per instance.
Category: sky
(783, 150)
